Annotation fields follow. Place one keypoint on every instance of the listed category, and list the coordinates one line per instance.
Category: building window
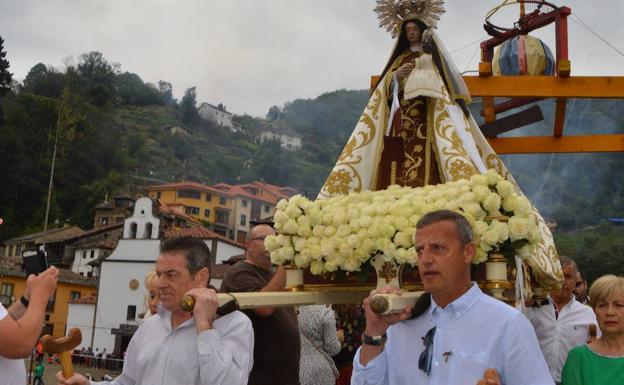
(223, 217)
(104, 221)
(244, 203)
(51, 302)
(243, 220)
(207, 213)
(18, 249)
(193, 194)
(208, 197)
(131, 313)
(158, 195)
(191, 210)
(84, 254)
(222, 200)
(267, 208)
(6, 294)
(73, 295)
(119, 219)
(92, 254)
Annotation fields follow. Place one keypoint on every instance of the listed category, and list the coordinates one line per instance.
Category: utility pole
(45, 222)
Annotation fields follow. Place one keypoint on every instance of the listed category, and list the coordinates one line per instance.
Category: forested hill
(114, 137)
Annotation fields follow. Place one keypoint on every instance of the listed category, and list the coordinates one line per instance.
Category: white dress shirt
(558, 335)
(12, 372)
(158, 355)
(473, 333)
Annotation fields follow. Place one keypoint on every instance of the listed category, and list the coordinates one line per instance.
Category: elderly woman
(602, 360)
(319, 342)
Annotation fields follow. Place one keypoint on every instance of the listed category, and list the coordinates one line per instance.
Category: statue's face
(413, 33)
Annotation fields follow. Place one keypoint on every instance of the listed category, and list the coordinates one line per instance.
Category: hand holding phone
(34, 261)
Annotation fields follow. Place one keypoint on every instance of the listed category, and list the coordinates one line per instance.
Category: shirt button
(436, 363)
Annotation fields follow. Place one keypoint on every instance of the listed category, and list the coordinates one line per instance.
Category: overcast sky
(251, 54)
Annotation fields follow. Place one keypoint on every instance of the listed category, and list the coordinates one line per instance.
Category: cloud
(250, 55)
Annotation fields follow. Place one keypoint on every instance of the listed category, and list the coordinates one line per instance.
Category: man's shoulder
(499, 308)
(235, 317)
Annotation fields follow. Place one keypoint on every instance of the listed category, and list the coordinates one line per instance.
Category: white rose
(290, 227)
(481, 192)
(505, 188)
(365, 221)
(271, 243)
(318, 231)
(510, 203)
(343, 231)
(492, 203)
(331, 266)
(315, 216)
(351, 264)
(302, 260)
(283, 240)
(286, 253)
(280, 217)
(478, 180)
(490, 238)
(281, 205)
(518, 228)
(293, 211)
(298, 243)
(473, 209)
(317, 267)
(492, 177)
(480, 256)
(523, 207)
(353, 240)
(402, 239)
(330, 231)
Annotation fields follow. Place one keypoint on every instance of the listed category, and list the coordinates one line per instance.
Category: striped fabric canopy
(523, 55)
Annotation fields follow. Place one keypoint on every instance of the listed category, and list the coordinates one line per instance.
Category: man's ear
(203, 277)
(469, 252)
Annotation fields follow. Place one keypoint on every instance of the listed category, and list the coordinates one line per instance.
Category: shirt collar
(165, 318)
(461, 305)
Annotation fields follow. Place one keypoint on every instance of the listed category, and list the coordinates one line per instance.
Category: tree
(97, 76)
(166, 92)
(188, 106)
(275, 113)
(132, 91)
(44, 81)
(5, 76)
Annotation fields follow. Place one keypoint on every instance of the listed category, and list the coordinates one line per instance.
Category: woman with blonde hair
(602, 360)
(151, 299)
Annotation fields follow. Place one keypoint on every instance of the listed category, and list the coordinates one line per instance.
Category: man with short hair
(463, 332)
(178, 347)
(580, 288)
(563, 322)
(276, 355)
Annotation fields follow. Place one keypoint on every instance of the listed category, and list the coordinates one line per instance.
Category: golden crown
(391, 13)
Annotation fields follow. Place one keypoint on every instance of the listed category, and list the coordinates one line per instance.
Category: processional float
(356, 237)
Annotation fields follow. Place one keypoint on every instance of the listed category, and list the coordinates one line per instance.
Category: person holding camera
(21, 324)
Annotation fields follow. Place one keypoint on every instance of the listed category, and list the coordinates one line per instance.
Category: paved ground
(49, 375)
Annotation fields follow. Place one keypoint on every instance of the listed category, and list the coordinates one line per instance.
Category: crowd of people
(461, 337)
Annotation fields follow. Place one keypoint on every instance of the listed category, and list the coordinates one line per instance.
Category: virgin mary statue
(416, 129)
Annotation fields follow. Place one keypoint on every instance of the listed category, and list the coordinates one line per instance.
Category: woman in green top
(602, 360)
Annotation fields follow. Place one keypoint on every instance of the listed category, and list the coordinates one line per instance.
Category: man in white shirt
(177, 347)
(20, 326)
(463, 333)
(563, 322)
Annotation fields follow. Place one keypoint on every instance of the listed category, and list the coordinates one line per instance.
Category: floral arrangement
(344, 232)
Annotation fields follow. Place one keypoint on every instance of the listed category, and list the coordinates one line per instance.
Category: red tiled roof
(198, 232)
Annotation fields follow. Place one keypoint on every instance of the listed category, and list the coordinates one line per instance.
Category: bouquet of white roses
(344, 232)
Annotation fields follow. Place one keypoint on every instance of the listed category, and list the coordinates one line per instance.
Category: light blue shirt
(473, 333)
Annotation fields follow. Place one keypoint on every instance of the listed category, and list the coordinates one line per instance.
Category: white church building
(121, 295)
